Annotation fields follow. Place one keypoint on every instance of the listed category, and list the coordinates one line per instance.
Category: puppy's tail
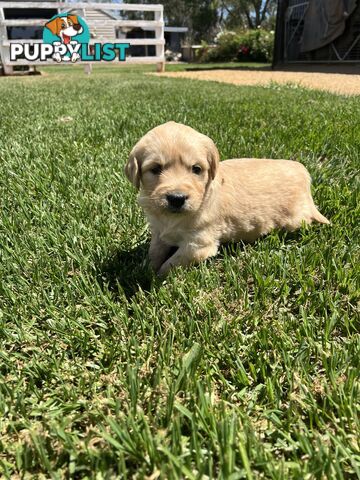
(318, 217)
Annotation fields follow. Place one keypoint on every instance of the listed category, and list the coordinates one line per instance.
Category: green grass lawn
(246, 366)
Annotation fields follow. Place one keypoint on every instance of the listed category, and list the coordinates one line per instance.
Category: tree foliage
(204, 18)
(248, 13)
(200, 16)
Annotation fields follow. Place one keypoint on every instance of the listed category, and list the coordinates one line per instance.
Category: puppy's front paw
(74, 57)
(159, 253)
(164, 270)
(183, 257)
(57, 57)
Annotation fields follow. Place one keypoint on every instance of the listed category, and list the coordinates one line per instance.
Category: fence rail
(115, 24)
(74, 6)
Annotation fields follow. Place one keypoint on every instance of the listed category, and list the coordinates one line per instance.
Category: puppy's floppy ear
(132, 170)
(73, 18)
(136, 158)
(53, 26)
(213, 158)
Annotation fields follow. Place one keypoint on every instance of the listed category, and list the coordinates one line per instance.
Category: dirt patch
(343, 84)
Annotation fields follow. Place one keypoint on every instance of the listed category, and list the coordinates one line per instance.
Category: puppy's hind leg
(318, 217)
(315, 215)
(159, 252)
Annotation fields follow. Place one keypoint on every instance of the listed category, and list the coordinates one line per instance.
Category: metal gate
(345, 48)
(294, 25)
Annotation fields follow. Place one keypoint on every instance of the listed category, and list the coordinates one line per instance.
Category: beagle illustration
(65, 28)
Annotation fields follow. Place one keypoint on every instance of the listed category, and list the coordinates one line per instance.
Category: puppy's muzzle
(176, 201)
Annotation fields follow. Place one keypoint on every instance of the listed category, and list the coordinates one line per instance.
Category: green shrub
(249, 45)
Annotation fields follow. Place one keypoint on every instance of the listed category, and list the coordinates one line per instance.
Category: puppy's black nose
(77, 26)
(176, 200)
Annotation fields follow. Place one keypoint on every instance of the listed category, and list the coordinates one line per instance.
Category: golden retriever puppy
(195, 203)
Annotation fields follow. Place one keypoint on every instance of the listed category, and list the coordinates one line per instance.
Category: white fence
(107, 18)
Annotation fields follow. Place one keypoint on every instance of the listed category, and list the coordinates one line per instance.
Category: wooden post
(160, 67)
(8, 69)
(4, 52)
(88, 68)
(159, 35)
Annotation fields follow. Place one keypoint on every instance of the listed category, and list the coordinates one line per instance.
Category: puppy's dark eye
(196, 169)
(156, 170)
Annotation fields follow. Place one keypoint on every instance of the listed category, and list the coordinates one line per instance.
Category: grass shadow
(128, 269)
(341, 68)
(351, 69)
(230, 67)
(279, 235)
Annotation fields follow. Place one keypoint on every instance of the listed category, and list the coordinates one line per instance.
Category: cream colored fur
(239, 199)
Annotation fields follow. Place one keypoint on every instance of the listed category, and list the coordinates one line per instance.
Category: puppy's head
(65, 27)
(173, 166)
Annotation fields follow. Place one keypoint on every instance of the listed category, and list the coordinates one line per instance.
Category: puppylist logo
(66, 38)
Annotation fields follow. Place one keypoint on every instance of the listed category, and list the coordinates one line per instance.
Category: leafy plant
(248, 45)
